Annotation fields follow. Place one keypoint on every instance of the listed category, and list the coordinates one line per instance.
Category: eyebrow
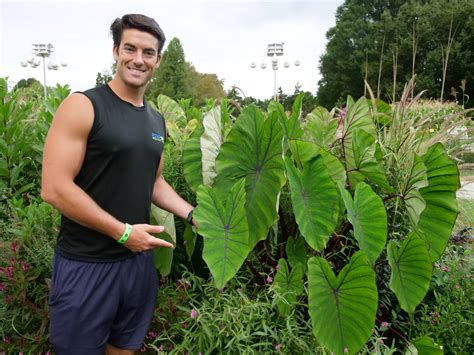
(149, 50)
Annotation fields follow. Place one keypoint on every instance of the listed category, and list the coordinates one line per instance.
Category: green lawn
(466, 214)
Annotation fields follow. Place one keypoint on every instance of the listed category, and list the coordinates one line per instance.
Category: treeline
(386, 42)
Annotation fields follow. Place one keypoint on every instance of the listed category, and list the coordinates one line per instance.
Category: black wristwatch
(189, 218)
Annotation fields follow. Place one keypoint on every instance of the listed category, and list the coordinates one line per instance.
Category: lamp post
(274, 50)
(44, 51)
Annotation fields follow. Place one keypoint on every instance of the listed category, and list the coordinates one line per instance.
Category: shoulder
(76, 112)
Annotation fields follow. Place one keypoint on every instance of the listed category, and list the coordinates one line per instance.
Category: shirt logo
(157, 137)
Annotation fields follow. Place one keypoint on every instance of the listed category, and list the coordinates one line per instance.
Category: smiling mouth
(136, 70)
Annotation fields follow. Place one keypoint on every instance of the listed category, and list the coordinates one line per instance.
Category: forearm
(165, 197)
(77, 205)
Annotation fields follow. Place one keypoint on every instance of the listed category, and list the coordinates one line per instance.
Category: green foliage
(342, 308)
(224, 228)
(170, 77)
(386, 39)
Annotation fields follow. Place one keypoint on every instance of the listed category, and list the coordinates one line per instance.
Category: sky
(220, 37)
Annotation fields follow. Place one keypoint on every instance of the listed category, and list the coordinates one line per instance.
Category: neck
(134, 95)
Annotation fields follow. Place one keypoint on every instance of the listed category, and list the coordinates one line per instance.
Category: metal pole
(275, 84)
(44, 78)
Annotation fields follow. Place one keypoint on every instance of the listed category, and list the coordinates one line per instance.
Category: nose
(138, 58)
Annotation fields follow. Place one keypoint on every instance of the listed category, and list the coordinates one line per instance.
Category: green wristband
(126, 234)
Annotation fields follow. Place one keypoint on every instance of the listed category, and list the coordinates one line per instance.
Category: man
(102, 169)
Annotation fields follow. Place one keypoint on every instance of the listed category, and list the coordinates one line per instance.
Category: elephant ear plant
(361, 205)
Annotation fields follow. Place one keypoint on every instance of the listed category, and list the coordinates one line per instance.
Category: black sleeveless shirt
(123, 153)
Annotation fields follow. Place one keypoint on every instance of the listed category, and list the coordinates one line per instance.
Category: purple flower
(2, 287)
(445, 268)
(194, 313)
(343, 114)
(151, 335)
(278, 267)
(14, 247)
(269, 279)
(25, 266)
(6, 340)
(161, 348)
(10, 271)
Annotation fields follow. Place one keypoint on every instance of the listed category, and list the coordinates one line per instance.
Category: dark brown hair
(139, 22)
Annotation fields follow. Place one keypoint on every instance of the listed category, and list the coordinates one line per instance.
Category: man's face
(137, 57)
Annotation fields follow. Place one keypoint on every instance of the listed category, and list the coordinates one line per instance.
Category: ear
(158, 61)
(115, 52)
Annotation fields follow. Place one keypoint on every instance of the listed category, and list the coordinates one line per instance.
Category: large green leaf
(192, 164)
(414, 180)
(321, 126)
(363, 160)
(411, 271)
(288, 286)
(253, 150)
(305, 151)
(315, 201)
(164, 256)
(424, 346)
(170, 109)
(291, 126)
(296, 252)
(223, 224)
(342, 308)
(368, 217)
(437, 219)
(211, 141)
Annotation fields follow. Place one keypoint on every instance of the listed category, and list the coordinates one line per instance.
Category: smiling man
(102, 169)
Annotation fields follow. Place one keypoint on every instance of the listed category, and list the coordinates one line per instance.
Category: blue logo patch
(157, 137)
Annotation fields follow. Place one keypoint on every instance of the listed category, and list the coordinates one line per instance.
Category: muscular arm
(64, 152)
(165, 197)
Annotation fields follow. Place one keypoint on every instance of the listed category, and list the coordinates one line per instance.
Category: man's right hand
(140, 238)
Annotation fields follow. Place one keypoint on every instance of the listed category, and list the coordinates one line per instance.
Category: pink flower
(384, 324)
(2, 287)
(161, 348)
(14, 247)
(457, 286)
(278, 267)
(269, 279)
(380, 341)
(194, 313)
(10, 271)
(151, 335)
(25, 266)
(445, 268)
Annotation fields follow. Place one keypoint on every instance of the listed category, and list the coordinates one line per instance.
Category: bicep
(65, 144)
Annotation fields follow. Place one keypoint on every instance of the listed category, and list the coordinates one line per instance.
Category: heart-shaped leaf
(288, 286)
(342, 308)
(437, 219)
(192, 164)
(223, 224)
(164, 256)
(315, 201)
(368, 217)
(253, 150)
(411, 271)
(211, 141)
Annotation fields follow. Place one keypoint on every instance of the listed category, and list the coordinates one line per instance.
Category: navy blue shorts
(92, 304)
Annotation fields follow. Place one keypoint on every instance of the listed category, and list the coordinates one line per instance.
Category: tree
(171, 76)
(202, 85)
(105, 76)
(394, 40)
(28, 83)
